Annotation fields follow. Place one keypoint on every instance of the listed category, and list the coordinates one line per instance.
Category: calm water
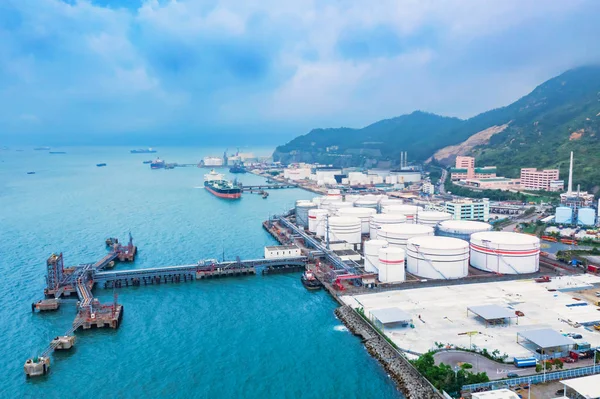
(250, 337)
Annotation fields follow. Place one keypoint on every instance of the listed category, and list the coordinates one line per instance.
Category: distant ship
(100, 164)
(58, 152)
(143, 151)
(147, 162)
(157, 164)
(217, 185)
(42, 148)
(31, 173)
(237, 168)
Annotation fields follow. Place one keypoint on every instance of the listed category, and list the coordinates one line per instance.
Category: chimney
(570, 190)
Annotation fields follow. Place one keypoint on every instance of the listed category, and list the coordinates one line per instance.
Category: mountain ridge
(558, 116)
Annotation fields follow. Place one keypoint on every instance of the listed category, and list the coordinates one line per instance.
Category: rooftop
(495, 394)
(588, 387)
(281, 247)
(390, 315)
(492, 312)
(546, 338)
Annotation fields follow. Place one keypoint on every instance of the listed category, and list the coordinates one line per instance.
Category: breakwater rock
(412, 384)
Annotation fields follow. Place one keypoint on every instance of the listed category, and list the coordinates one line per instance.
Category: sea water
(246, 337)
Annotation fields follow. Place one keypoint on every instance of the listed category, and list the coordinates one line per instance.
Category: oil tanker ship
(216, 184)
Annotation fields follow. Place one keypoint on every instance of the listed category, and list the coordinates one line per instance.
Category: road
(493, 369)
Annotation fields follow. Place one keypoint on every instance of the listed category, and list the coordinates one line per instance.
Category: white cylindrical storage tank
(345, 228)
(334, 206)
(371, 253)
(461, 228)
(391, 265)
(505, 252)
(397, 234)
(321, 222)
(334, 194)
(382, 219)
(302, 209)
(437, 257)
(366, 203)
(316, 216)
(564, 214)
(410, 211)
(364, 214)
(432, 218)
(390, 201)
(318, 200)
(586, 216)
(351, 197)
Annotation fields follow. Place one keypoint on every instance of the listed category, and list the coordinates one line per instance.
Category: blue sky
(270, 67)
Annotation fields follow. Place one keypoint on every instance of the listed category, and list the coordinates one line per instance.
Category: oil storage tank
(397, 234)
(437, 257)
(410, 211)
(345, 228)
(382, 219)
(461, 228)
(366, 203)
(432, 218)
(564, 214)
(505, 252)
(364, 214)
(391, 265)
(371, 254)
(586, 217)
(302, 208)
(334, 206)
(316, 217)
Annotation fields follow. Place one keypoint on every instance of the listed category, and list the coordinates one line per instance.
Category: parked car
(512, 375)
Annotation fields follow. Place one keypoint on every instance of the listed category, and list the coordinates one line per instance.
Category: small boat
(57, 152)
(264, 194)
(309, 280)
(31, 173)
(42, 149)
(157, 164)
(143, 151)
(100, 164)
(147, 162)
(237, 168)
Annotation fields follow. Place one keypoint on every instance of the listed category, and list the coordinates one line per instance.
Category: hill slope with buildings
(538, 130)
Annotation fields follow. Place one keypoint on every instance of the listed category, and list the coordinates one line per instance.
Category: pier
(80, 280)
(263, 187)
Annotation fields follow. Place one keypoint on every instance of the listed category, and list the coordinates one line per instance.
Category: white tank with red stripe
(371, 253)
(364, 214)
(391, 265)
(440, 258)
(383, 219)
(505, 252)
(397, 234)
(317, 217)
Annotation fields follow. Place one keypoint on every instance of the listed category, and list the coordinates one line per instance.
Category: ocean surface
(246, 337)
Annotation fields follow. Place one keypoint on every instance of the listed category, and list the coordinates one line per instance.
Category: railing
(534, 379)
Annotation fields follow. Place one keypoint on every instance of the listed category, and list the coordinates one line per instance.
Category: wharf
(81, 279)
(267, 187)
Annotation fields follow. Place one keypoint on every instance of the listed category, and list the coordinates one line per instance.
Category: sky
(84, 70)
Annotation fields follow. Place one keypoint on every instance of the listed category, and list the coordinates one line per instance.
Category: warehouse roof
(390, 315)
(492, 312)
(588, 387)
(546, 338)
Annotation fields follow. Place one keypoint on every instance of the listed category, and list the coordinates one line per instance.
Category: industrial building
(547, 179)
(281, 251)
(469, 209)
(464, 168)
(440, 314)
(575, 206)
(213, 161)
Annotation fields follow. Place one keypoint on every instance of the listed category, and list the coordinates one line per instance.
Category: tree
(538, 368)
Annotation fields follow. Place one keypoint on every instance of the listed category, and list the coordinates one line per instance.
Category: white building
(469, 209)
(281, 251)
(300, 173)
(213, 161)
(428, 188)
(495, 394)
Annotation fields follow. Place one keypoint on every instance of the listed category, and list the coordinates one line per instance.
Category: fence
(534, 379)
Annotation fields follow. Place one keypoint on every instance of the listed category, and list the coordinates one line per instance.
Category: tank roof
(403, 228)
(438, 242)
(464, 224)
(344, 220)
(357, 211)
(392, 250)
(505, 237)
(434, 213)
(388, 216)
(406, 207)
(376, 242)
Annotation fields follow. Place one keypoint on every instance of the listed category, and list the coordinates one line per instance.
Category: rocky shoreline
(412, 384)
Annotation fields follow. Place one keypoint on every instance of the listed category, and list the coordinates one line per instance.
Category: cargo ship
(216, 184)
(157, 164)
(143, 151)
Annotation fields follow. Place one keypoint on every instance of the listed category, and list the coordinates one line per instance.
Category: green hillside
(419, 133)
(559, 116)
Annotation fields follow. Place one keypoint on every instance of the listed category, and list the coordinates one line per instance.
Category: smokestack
(570, 190)
(405, 158)
(401, 159)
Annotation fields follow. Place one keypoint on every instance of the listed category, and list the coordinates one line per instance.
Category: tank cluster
(407, 238)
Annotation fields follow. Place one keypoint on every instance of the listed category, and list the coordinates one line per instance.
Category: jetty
(79, 280)
(259, 187)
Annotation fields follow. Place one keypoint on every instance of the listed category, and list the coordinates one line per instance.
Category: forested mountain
(538, 130)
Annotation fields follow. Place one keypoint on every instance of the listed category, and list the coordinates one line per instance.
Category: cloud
(188, 65)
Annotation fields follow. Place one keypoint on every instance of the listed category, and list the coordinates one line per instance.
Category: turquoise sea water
(247, 337)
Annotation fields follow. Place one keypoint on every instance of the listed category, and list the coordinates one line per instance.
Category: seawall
(412, 384)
